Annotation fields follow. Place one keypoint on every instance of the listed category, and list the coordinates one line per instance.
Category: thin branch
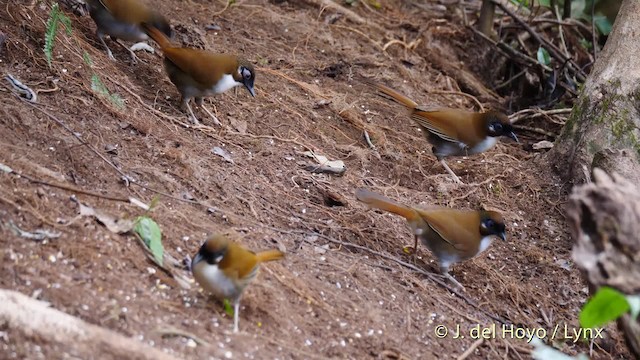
(553, 50)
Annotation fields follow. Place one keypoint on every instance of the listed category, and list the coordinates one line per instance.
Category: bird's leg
(456, 179)
(134, 57)
(444, 270)
(236, 310)
(185, 105)
(200, 103)
(101, 37)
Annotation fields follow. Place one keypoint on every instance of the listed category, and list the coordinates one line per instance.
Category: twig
(229, 2)
(459, 93)
(593, 31)
(510, 80)
(331, 4)
(534, 113)
(71, 188)
(510, 52)
(377, 45)
(301, 84)
(471, 349)
(433, 277)
(412, 45)
(553, 50)
(368, 140)
(126, 177)
(564, 44)
(171, 331)
(535, 130)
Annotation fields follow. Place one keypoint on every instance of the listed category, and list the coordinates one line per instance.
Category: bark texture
(604, 218)
(606, 118)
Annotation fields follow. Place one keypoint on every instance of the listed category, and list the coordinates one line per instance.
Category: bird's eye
(246, 73)
(490, 223)
(497, 127)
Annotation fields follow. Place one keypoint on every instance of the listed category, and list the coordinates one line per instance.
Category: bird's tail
(390, 94)
(269, 255)
(157, 35)
(383, 203)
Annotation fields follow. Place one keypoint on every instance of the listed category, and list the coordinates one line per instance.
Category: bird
(225, 268)
(122, 19)
(453, 132)
(452, 235)
(197, 73)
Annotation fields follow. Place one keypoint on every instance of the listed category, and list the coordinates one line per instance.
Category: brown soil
(324, 300)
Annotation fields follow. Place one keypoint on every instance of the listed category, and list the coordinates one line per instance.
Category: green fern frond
(98, 86)
(55, 17)
(50, 34)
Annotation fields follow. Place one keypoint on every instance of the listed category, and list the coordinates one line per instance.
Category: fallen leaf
(5, 168)
(544, 144)
(151, 234)
(239, 125)
(112, 223)
(222, 153)
(37, 235)
(323, 161)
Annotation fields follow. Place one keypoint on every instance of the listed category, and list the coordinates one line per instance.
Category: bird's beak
(513, 136)
(251, 90)
(503, 236)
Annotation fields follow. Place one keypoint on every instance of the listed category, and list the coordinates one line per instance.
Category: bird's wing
(129, 11)
(198, 63)
(460, 228)
(452, 125)
(238, 262)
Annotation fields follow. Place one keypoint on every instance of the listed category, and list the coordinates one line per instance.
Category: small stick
(553, 50)
(471, 349)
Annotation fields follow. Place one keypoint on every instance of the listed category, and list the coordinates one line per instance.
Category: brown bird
(454, 132)
(451, 235)
(197, 73)
(225, 268)
(121, 19)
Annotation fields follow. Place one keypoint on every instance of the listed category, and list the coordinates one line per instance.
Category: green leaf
(151, 234)
(634, 304)
(545, 3)
(87, 58)
(50, 33)
(543, 56)
(606, 305)
(64, 19)
(603, 24)
(227, 307)
(98, 86)
(588, 45)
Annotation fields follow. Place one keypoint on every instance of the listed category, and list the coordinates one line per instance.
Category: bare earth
(350, 292)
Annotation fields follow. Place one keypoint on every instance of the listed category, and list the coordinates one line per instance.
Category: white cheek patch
(217, 259)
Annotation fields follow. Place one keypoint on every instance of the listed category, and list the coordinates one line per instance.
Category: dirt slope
(325, 300)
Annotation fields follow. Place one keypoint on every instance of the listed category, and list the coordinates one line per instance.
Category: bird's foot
(215, 119)
(455, 282)
(409, 250)
(134, 58)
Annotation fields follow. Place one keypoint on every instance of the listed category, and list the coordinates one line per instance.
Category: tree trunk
(605, 120)
(604, 219)
(22, 317)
